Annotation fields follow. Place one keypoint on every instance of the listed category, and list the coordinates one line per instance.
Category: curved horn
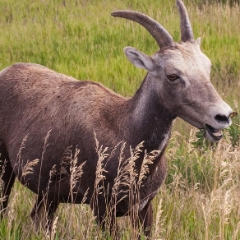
(160, 34)
(186, 28)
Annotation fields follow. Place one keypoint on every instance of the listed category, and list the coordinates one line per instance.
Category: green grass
(80, 38)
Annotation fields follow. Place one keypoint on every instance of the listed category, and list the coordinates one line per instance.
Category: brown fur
(35, 100)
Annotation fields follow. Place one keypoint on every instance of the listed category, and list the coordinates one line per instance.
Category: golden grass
(203, 208)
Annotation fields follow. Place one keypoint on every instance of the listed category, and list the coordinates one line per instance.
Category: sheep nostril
(221, 118)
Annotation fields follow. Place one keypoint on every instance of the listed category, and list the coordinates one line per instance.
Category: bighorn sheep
(35, 99)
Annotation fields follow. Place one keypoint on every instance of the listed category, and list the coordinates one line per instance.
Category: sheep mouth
(215, 134)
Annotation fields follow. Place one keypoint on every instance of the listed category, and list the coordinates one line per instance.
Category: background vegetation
(200, 198)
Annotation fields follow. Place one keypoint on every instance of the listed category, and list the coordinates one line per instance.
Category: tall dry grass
(205, 206)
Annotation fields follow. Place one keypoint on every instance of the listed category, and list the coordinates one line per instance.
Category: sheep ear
(139, 59)
(198, 41)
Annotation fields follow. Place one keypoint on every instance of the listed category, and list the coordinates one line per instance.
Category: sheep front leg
(146, 219)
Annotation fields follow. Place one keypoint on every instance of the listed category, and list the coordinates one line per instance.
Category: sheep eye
(172, 77)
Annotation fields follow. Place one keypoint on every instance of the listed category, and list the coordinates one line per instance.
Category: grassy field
(200, 197)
